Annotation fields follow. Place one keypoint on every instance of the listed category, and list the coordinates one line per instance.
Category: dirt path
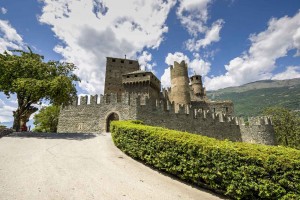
(80, 167)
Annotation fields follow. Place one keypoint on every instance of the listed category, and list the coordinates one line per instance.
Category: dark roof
(138, 72)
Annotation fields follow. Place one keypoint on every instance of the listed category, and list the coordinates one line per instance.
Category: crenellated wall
(92, 118)
(258, 130)
(191, 120)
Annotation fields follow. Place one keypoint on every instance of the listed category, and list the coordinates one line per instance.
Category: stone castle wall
(190, 120)
(92, 118)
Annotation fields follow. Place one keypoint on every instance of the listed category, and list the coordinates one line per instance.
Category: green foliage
(2, 126)
(238, 170)
(253, 102)
(47, 119)
(286, 125)
(33, 80)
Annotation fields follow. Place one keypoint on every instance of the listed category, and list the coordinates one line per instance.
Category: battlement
(256, 121)
(179, 70)
(121, 61)
(165, 106)
(113, 98)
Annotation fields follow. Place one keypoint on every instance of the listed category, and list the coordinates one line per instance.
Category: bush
(238, 170)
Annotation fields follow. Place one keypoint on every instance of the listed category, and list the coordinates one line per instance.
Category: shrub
(238, 170)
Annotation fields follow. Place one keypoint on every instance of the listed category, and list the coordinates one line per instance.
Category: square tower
(115, 68)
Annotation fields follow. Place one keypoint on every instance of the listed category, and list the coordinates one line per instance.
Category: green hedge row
(238, 170)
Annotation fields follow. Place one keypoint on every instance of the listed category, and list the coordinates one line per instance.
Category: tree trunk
(17, 120)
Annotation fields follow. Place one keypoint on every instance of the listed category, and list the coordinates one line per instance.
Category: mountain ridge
(252, 98)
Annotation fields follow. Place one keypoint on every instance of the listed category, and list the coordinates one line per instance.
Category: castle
(133, 94)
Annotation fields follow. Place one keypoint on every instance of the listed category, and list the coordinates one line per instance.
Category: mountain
(252, 98)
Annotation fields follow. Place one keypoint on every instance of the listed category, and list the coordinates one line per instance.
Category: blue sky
(228, 42)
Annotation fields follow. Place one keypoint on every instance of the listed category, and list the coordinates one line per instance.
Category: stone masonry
(137, 95)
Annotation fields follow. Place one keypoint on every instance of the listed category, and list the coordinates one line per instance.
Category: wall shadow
(65, 136)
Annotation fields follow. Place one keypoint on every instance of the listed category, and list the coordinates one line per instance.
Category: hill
(251, 99)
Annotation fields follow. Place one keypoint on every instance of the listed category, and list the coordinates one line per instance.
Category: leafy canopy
(33, 80)
(286, 125)
(47, 119)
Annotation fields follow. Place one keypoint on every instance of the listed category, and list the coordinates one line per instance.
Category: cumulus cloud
(6, 112)
(199, 66)
(211, 35)
(177, 56)
(196, 66)
(258, 63)
(93, 29)
(9, 39)
(3, 10)
(193, 15)
(289, 73)
(145, 61)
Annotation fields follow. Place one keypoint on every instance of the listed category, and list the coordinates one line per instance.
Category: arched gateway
(112, 117)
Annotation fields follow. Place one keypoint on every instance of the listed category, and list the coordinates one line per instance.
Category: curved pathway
(80, 166)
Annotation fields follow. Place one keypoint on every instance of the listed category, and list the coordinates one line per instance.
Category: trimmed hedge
(238, 170)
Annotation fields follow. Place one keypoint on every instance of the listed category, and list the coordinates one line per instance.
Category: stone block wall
(92, 118)
(5, 131)
(190, 120)
(259, 130)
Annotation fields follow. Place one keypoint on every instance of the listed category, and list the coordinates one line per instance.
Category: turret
(180, 92)
(197, 86)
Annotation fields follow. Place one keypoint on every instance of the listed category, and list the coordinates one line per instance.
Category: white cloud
(3, 10)
(177, 56)
(193, 15)
(296, 38)
(197, 65)
(211, 35)
(6, 112)
(93, 29)
(258, 63)
(145, 61)
(9, 39)
(289, 73)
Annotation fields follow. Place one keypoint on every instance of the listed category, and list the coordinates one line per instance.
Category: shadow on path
(66, 136)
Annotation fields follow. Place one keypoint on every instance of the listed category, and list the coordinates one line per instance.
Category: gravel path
(80, 166)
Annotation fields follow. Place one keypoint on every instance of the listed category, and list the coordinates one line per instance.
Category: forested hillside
(250, 99)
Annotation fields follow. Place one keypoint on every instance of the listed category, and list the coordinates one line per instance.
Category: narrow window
(113, 60)
(122, 61)
(130, 62)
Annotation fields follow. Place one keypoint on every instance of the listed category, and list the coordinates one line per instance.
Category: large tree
(286, 125)
(47, 119)
(33, 80)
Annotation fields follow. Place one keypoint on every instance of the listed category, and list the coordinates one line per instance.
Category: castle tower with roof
(197, 90)
(115, 68)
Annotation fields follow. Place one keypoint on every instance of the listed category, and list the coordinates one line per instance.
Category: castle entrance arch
(112, 117)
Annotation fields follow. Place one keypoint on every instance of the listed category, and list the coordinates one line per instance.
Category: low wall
(5, 131)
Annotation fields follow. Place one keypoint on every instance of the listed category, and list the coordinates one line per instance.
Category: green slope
(252, 98)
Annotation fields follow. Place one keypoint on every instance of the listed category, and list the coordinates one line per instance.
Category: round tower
(180, 91)
(197, 86)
